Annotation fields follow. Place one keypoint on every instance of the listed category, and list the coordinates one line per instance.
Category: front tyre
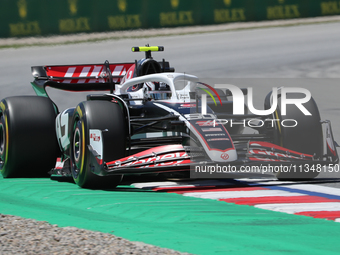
(102, 115)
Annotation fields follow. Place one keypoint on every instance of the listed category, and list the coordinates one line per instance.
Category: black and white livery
(150, 120)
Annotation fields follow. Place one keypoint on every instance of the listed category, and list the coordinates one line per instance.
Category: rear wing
(89, 77)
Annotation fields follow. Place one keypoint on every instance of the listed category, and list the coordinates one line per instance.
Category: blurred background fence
(46, 17)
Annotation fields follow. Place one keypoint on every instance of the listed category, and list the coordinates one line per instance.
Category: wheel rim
(2, 139)
(77, 148)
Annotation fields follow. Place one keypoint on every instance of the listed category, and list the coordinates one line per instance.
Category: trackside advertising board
(19, 18)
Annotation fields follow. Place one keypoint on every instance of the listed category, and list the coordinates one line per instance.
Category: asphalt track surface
(306, 56)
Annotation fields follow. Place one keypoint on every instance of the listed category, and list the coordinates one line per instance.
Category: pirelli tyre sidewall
(102, 115)
(4, 165)
(306, 137)
(28, 144)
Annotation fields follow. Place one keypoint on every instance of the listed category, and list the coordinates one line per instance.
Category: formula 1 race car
(153, 120)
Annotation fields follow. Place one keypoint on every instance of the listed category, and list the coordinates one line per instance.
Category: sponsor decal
(183, 96)
(95, 137)
(188, 105)
(206, 123)
(212, 129)
(217, 139)
(214, 134)
(275, 154)
(177, 156)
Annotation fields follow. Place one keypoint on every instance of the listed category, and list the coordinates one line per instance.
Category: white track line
(183, 184)
(154, 184)
(292, 208)
(315, 188)
(239, 194)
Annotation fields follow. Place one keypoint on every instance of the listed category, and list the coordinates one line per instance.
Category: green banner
(46, 17)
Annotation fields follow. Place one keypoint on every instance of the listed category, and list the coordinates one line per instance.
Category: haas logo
(225, 156)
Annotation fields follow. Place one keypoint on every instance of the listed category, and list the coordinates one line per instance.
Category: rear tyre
(306, 137)
(28, 143)
(96, 115)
